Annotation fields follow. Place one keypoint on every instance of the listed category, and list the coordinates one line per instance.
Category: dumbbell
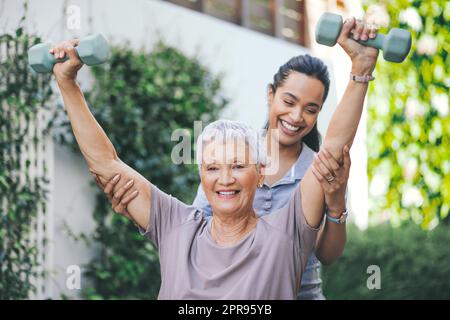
(395, 45)
(92, 50)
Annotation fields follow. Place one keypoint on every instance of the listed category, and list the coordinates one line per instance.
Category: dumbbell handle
(66, 57)
(376, 42)
(50, 56)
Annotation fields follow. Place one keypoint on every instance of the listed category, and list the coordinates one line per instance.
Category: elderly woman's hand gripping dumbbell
(91, 50)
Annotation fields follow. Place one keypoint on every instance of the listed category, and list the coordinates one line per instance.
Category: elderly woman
(235, 254)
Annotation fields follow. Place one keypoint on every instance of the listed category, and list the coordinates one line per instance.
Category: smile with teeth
(227, 194)
(289, 126)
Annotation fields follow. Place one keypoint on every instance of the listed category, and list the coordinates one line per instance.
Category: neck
(285, 152)
(226, 229)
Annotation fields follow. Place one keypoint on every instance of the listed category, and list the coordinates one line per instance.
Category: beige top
(268, 263)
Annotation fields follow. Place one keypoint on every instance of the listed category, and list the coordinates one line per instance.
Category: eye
(212, 169)
(311, 110)
(289, 103)
(238, 166)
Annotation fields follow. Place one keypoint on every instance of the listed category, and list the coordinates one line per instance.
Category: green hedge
(23, 194)
(415, 264)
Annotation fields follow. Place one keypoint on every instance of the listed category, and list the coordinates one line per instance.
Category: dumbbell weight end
(41, 60)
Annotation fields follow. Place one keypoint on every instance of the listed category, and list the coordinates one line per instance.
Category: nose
(226, 176)
(297, 115)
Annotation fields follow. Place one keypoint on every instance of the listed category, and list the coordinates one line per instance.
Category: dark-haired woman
(296, 96)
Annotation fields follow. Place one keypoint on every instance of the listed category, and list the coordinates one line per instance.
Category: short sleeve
(306, 234)
(201, 202)
(166, 213)
(291, 220)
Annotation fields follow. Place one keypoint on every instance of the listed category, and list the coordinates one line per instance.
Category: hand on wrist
(335, 212)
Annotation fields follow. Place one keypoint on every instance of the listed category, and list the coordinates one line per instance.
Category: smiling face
(295, 106)
(229, 176)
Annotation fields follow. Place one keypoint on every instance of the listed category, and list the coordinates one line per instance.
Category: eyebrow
(313, 104)
(236, 160)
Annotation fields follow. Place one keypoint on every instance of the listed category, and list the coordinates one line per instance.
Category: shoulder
(283, 215)
(307, 154)
(169, 207)
(304, 160)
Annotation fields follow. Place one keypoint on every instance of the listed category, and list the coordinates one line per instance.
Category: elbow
(326, 260)
(327, 257)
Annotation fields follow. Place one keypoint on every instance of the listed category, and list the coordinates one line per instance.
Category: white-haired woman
(235, 254)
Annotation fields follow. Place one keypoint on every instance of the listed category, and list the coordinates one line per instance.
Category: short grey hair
(227, 130)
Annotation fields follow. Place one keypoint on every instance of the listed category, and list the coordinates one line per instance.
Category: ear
(262, 173)
(270, 94)
(200, 173)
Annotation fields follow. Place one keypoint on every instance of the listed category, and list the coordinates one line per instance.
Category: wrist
(66, 82)
(335, 212)
(340, 219)
(362, 68)
(360, 78)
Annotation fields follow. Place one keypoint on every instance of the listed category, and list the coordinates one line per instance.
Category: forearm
(332, 237)
(341, 131)
(345, 120)
(95, 146)
(331, 242)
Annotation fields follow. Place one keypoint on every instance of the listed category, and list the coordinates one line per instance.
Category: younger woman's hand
(333, 178)
(119, 201)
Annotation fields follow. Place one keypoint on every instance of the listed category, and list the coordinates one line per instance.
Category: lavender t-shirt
(268, 263)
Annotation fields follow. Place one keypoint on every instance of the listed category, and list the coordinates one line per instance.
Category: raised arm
(95, 146)
(344, 122)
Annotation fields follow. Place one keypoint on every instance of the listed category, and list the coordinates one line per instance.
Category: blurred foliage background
(414, 264)
(24, 100)
(409, 121)
(408, 166)
(139, 99)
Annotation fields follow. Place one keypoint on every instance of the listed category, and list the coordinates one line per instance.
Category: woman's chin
(286, 140)
(226, 209)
